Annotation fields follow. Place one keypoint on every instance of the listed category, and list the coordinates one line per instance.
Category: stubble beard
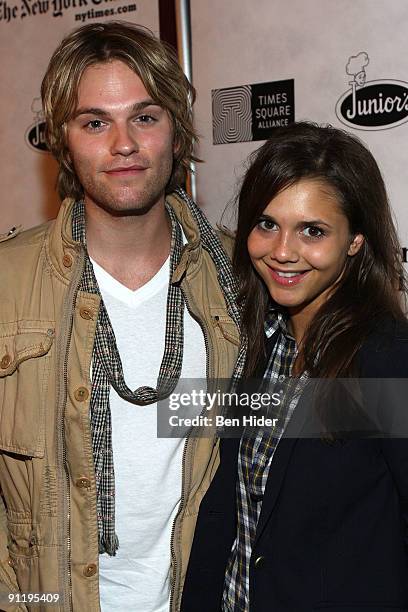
(127, 199)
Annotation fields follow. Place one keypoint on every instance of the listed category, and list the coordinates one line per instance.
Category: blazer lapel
(280, 463)
(275, 479)
(283, 451)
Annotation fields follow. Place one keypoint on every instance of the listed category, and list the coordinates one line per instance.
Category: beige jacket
(48, 527)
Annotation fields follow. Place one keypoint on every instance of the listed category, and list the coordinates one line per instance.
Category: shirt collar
(277, 319)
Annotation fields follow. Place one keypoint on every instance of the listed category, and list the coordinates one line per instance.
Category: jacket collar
(186, 219)
(63, 250)
(192, 249)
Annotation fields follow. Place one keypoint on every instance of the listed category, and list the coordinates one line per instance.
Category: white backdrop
(236, 43)
(30, 30)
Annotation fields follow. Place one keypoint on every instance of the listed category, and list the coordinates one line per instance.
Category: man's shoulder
(20, 252)
(193, 220)
(16, 238)
(227, 239)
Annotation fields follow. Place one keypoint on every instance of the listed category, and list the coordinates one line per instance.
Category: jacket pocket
(24, 374)
(22, 541)
(23, 553)
(224, 326)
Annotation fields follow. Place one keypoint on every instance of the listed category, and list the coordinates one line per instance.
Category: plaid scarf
(107, 366)
(228, 283)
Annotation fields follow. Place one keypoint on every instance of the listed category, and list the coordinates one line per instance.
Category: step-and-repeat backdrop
(261, 64)
(30, 30)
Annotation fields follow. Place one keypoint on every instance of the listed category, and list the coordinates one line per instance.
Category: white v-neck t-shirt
(148, 469)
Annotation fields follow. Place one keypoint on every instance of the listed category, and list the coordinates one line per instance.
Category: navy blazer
(332, 534)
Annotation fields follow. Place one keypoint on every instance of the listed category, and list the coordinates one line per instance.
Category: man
(103, 310)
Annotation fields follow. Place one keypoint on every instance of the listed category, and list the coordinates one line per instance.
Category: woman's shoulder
(384, 353)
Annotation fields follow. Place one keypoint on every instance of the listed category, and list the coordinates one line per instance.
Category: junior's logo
(35, 134)
(371, 105)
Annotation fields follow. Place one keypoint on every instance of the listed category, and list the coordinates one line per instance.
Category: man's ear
(355, 244)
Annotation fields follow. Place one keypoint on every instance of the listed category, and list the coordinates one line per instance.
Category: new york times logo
(250, 112)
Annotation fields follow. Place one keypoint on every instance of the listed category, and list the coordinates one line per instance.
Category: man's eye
(95, 124)
(146, 119)
(312, 231)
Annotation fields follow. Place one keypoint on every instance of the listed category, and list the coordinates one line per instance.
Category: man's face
(120, 142)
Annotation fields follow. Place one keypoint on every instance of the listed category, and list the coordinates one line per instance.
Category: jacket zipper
(66, 334)
(181, 506)
(185, 478)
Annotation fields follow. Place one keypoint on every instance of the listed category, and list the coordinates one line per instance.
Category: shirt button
(67, 261)
(86, 313)
(259, 561)
(90, 570)
(83, 482)
(81, 394)
(5, 362)
(281, 378)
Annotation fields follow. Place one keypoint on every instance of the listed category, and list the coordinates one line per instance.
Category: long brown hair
(152, 60)
(371, 284)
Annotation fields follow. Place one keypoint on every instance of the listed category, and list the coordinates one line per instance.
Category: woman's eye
(311, 231)
(266, 224)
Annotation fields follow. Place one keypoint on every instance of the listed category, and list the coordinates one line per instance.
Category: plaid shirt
(254, 461)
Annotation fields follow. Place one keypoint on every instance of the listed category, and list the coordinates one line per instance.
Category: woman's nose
(284, 248)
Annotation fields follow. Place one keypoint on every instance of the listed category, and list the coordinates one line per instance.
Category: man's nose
(124, 141)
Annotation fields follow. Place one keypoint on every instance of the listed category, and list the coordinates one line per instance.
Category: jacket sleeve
(396, 455)
(8, 581)
(214, 536)
(386, 361)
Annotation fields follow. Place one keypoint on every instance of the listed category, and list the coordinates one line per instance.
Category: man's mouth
(126, 170)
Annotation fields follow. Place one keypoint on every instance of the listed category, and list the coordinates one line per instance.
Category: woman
(320, 522)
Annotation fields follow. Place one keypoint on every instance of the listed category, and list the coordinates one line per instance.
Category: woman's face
(300, 246)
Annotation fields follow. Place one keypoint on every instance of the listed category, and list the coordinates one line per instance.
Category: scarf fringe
(109, 545)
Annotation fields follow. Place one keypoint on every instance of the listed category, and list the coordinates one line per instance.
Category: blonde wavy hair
(152, 60)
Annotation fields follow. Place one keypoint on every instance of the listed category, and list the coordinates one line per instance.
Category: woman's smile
(300, 246)
(287, 278)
